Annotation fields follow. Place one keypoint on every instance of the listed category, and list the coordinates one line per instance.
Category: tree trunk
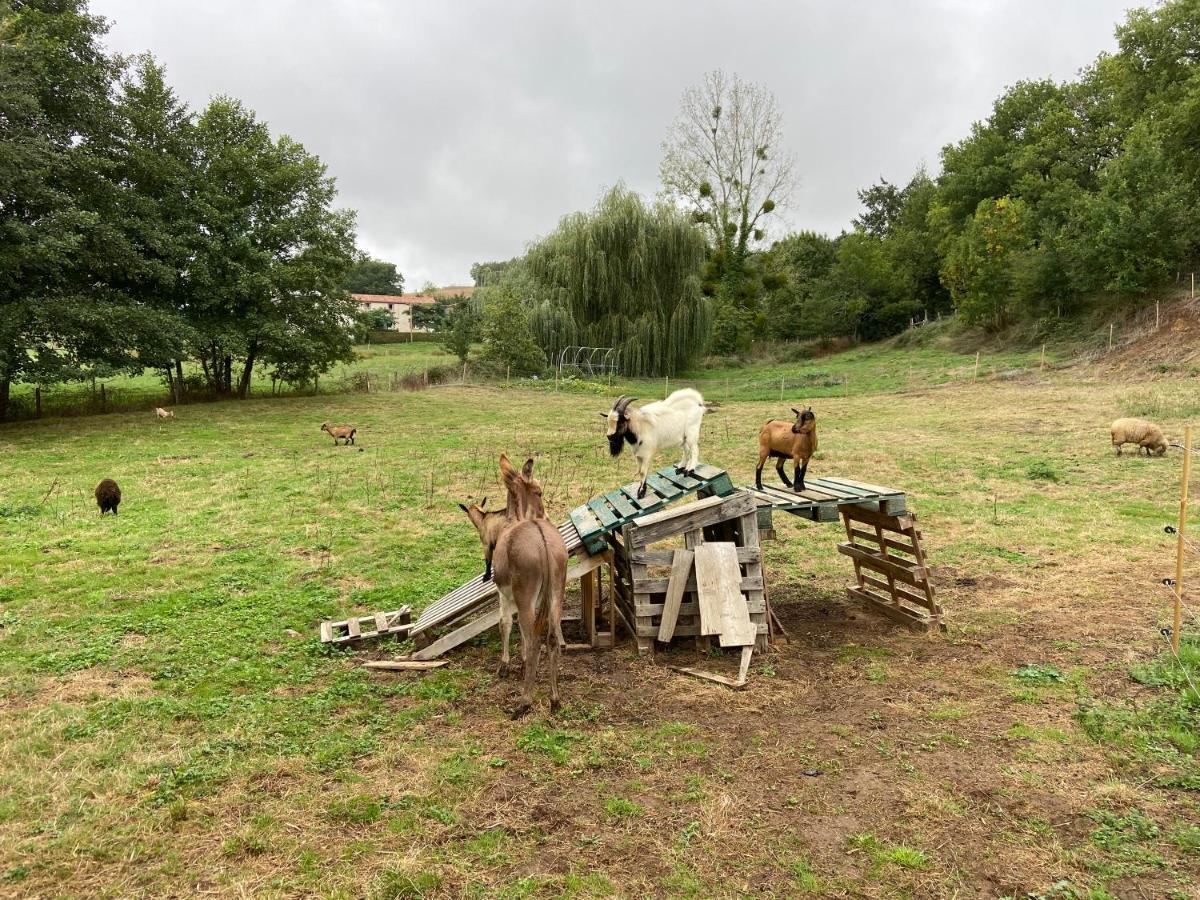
(179, 381)
(227, 376)
(244, 385)
(4, 385)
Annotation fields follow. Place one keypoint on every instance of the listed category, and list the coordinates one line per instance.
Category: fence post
(1043, 356)
(103, 398)
(1111, 325)
(37, 401)
(1156, 315)
(976, 376)
(464, 375)
(1177, 623)
(781, 382)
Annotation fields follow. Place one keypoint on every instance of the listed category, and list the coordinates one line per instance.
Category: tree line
(137, 234)
(1071, 198)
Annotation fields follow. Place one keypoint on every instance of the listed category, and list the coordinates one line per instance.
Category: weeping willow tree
(623, 275)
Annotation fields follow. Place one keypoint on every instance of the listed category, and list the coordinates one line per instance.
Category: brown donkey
(530, 570)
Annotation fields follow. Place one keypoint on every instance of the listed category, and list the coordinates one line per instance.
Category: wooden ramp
(586, 533)
(823, 498)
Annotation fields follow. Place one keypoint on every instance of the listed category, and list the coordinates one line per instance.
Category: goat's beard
(619, 440)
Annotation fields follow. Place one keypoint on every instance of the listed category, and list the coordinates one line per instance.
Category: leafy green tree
(793, 266)
(266, 284)
(882, 203)
(378, 319)
(508, 344)
(56, 108)
(373, 276)
(980, 266)
(484, 274)
(623, 275)
(461, 329)
(1134, 233)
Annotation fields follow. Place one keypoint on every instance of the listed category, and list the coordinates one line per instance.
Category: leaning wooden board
(723, 608)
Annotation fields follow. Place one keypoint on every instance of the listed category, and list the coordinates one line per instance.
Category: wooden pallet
(889, 566)
(396, 623)
(822, 499)
(666, 606)
(609, 513)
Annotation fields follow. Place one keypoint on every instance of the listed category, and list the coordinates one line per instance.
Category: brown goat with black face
(108, 496)
(796, 441)
(489, 524)
(531, 575)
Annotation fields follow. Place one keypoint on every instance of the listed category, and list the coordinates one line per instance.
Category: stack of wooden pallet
(711, 587)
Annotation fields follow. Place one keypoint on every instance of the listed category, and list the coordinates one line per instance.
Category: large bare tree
(724, 157)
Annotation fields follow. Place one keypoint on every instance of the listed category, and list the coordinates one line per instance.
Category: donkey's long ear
(527, 469)
(464, 509)
(507, 472)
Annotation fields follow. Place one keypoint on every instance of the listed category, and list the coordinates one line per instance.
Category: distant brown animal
(796, 441)
(489, 524)
(531, 574)
(108, 496)
(164, 413)
(343, 432)
(1146, 435)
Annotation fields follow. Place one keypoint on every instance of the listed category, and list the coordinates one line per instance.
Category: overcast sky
(460, 131)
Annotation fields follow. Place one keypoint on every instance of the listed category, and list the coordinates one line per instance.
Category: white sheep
(674, 422)
(1146, 435)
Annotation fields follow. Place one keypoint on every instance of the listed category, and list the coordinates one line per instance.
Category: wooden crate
(642, 594)
(890, 568)
(396, 623)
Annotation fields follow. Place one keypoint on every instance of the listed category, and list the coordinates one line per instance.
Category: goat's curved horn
(622, 404)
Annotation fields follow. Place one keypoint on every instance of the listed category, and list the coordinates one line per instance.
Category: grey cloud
(462, 130)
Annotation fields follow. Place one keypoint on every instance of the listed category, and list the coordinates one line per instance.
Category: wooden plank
(647, 608)
(353, 629)
(707, 472)
(650, 501)
(732, 507)
(911, 618)
(603, 514)
(898, 591)
(660, 585)
(667, 557)
(621, 504)
(676, 511)
(681, 568)
(460, 635)
(717, 587)
(403, 665)
(585, 523)
(326, 632)
(744, 665)
(870, 488)
(891, 523)
(687, 482)
(381, 622)
(906, 570)
(663, 487)
(682, 631)
(711, 676)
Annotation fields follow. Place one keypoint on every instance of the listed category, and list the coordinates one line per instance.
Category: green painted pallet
(822, 498)
(610, 512)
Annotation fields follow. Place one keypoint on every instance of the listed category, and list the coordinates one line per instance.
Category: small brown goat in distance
(108, 496)
(796, 441)
(164, 413)
(344, 432)
(531, 574)
(489, 524)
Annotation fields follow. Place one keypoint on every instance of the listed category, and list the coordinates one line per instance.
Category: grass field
(169, 724)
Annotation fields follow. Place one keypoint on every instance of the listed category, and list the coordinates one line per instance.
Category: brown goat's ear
(527, 469)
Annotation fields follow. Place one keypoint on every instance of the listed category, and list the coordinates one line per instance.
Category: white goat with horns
(674, 422)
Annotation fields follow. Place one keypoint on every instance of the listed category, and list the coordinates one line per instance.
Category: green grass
(168, 717)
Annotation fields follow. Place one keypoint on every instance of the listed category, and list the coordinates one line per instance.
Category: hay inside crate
(644, 566)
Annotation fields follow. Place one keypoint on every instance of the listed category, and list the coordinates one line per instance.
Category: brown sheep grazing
(108, 496)
(342, 432)
(796, 441)
(1146, 435)
(489, 524)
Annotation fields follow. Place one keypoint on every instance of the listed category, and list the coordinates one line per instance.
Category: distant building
(401, 305)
